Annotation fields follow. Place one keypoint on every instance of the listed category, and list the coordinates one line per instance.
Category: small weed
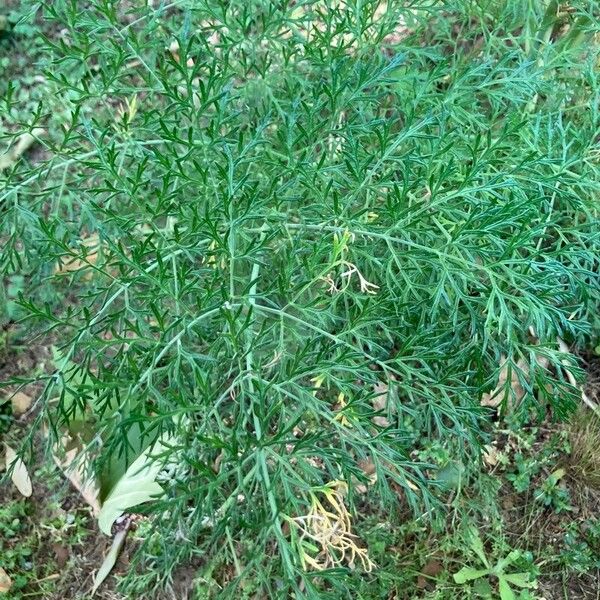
(581, 547)
(527, 468)
(553, 494)
(501, 571)
(18, 546)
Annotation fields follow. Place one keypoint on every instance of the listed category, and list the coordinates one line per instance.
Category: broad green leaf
(450, 475)
(477, 546)
(506, 561)
(117, 467)
(137, 486)
(550, 18)
(482, 588)
(468, 574)
(579, 33)
(506, 592)
(78, 393)
(520, 580)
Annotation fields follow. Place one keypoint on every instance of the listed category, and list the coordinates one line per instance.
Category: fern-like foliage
(252, 219)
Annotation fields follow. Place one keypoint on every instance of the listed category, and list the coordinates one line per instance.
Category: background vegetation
(314, 282)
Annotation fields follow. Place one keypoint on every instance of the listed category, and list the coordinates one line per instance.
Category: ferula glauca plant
(279, 246)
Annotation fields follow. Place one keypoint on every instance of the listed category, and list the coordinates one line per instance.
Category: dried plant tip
(328, 528)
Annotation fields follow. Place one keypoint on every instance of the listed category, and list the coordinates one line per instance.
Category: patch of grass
(15, 558)
(584, 435)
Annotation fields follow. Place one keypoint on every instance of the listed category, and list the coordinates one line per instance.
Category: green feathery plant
(253, 219)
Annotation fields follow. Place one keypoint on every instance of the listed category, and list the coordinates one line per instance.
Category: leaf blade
(469, 574)
(137, 486)
(505, 590)
(110, 559)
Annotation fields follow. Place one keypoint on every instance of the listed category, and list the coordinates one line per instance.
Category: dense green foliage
(269, 215)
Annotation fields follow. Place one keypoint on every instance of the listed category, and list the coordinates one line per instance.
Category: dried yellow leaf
(72, 264)
(5, 582)
(23, 143)
(20, 476)
(21, 403)
(491, 456)
(494, 398)
(67, 459)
